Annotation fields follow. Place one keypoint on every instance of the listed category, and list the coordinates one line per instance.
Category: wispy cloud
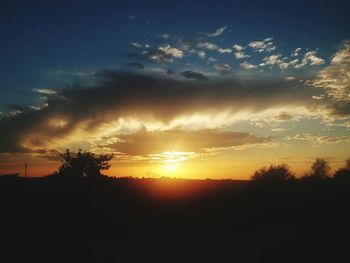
(136, 44)
(45, 91)
(318, 139)
(148, 143)
(207, 45)
(217, 32)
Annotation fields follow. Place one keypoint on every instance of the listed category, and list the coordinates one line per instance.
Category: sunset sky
(192, 89)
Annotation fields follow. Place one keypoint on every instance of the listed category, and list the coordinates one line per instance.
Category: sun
(171, 161)
(170, 168)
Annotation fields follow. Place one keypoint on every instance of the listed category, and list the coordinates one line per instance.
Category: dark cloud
(146, 143)
(170, 72)
(136, 65)
(193, 75)
(340, 108)
(131, 94)
(48, 154)
(17, 108)
(222, 68)
(284, 116)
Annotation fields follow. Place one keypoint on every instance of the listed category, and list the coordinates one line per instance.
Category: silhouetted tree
(274, 173)
(83, 164)
(343, 174)
(319, 170)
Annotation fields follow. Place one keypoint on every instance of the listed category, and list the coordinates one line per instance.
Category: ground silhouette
(102, 219)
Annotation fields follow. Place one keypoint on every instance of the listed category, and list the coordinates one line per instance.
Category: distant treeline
(319, 170)
(83, 164)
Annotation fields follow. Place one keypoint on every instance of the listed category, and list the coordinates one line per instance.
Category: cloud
(263, 45)
(193, 75)
(296, 52)
(217, 32)
(81, 113)
(137, 45)
(158, 56)
(146, 143)
(238, 47)
(174, 52)
(310, 58)
(161, 54)
(201, 54)
(276, 60)
(284, 116)
(222, 68)
(246, 65)
(241, 55)
(294, 62)
(316, 139)
(278, 129)
(224, 50)
(45, 91)
(273, 60)
(284, 65)
(207, 45)
(165, 36)
(210, 46)
(335, 80)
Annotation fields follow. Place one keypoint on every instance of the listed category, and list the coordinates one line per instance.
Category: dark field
(240, 221)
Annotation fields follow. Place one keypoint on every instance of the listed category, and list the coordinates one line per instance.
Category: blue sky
(42, 37)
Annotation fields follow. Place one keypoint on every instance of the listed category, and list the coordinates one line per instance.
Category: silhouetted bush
(343, 174)
(83, 164)
(274, 173)
(319, 170)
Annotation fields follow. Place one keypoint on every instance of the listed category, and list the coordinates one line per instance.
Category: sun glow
(170, 168)
(173, 160)
(175, 157)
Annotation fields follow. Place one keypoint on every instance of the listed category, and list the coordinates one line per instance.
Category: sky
(188, 89)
